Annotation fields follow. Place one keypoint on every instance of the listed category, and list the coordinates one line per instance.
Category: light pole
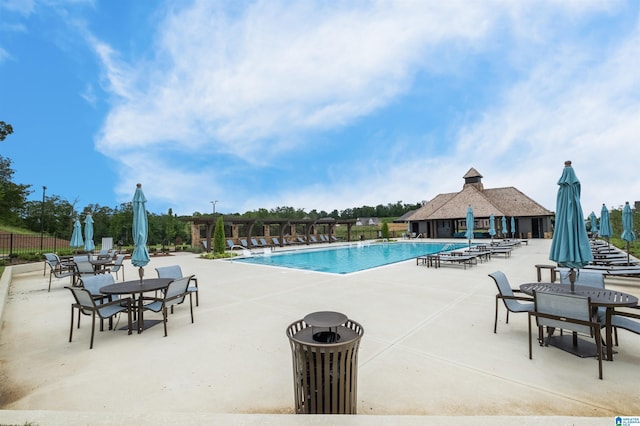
(214, 206)
(44, 188)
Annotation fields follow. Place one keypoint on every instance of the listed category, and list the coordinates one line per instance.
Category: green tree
(218, 237)
(13, 197)
(120, 224)
(5, 130)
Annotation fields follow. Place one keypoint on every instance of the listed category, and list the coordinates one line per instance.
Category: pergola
(310, 227)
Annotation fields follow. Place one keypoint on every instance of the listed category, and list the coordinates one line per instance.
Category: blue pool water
(347, 259)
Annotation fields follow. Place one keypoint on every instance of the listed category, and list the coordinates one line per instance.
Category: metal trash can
(324, 348)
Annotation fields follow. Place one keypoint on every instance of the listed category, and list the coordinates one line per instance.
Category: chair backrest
(502, 282)
(229, 243)
(84, 267)
(583, 277)
(563, 308)
(82, 296)
(93, 283)
(254, 242)
(177, 287)
(263, 241)
(119, 261)
(51, 258)
(275, 241)
(243, 243)
(81, 258)
(173, 271)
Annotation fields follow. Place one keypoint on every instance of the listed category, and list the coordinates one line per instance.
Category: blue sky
(319, 105)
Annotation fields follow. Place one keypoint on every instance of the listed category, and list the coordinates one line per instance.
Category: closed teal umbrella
(469, 223)
(140, 228)
(513, 227)
(627, 226)
(570, 245)
(492, 226)
(605, 223)
(88, 233)
(504, 226)
(76, 235)
(593, 222)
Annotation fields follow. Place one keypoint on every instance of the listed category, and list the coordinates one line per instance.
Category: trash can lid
(325, 319)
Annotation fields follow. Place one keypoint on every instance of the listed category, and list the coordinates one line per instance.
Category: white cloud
(253, 82)
(579, 103)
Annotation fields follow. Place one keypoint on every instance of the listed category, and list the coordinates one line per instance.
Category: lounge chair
(627, 318)
(84, 267)
(175, 294)
(313, 239)
(513, 303)
(57, 268)
(586, 278)
(460, 259)
(567, 312)
(93, 283)
(104, 254)
(174, 271)
(230, 244)
(118, 265)
(243, 243)
(275, 241)
(86, 305)
(263, 242)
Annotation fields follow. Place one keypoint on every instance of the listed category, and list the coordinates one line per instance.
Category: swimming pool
(352, 258)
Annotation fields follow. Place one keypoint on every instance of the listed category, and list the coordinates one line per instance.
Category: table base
(146, 324)
(583, 348)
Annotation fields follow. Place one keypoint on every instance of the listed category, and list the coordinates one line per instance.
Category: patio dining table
(137, 287)
(608, 299)
(99, 264)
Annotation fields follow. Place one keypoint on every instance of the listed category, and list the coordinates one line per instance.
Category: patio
(428, 350)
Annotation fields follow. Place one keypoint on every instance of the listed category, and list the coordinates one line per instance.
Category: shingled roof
(507, 201)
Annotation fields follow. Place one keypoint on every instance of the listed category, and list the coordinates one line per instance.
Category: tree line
(55, 215)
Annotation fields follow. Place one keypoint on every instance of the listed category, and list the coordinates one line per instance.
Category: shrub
(385, 230)
(218, 237)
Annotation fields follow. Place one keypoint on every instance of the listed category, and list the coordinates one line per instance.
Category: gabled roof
(507, 201)
(404, 217)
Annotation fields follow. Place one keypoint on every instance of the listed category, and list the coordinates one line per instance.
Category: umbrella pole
(572, 279)
(141, 273)
(627, 253)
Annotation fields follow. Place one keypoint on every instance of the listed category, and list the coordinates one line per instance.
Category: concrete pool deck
(428, 354)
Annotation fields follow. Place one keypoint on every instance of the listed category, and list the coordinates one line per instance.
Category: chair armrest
(525, 298)
(126, 300)
(624, 313)
(177, 296)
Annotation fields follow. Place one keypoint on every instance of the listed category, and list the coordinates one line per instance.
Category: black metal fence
(14, 245)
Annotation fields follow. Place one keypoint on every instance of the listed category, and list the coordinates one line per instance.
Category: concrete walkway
(428, 351)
